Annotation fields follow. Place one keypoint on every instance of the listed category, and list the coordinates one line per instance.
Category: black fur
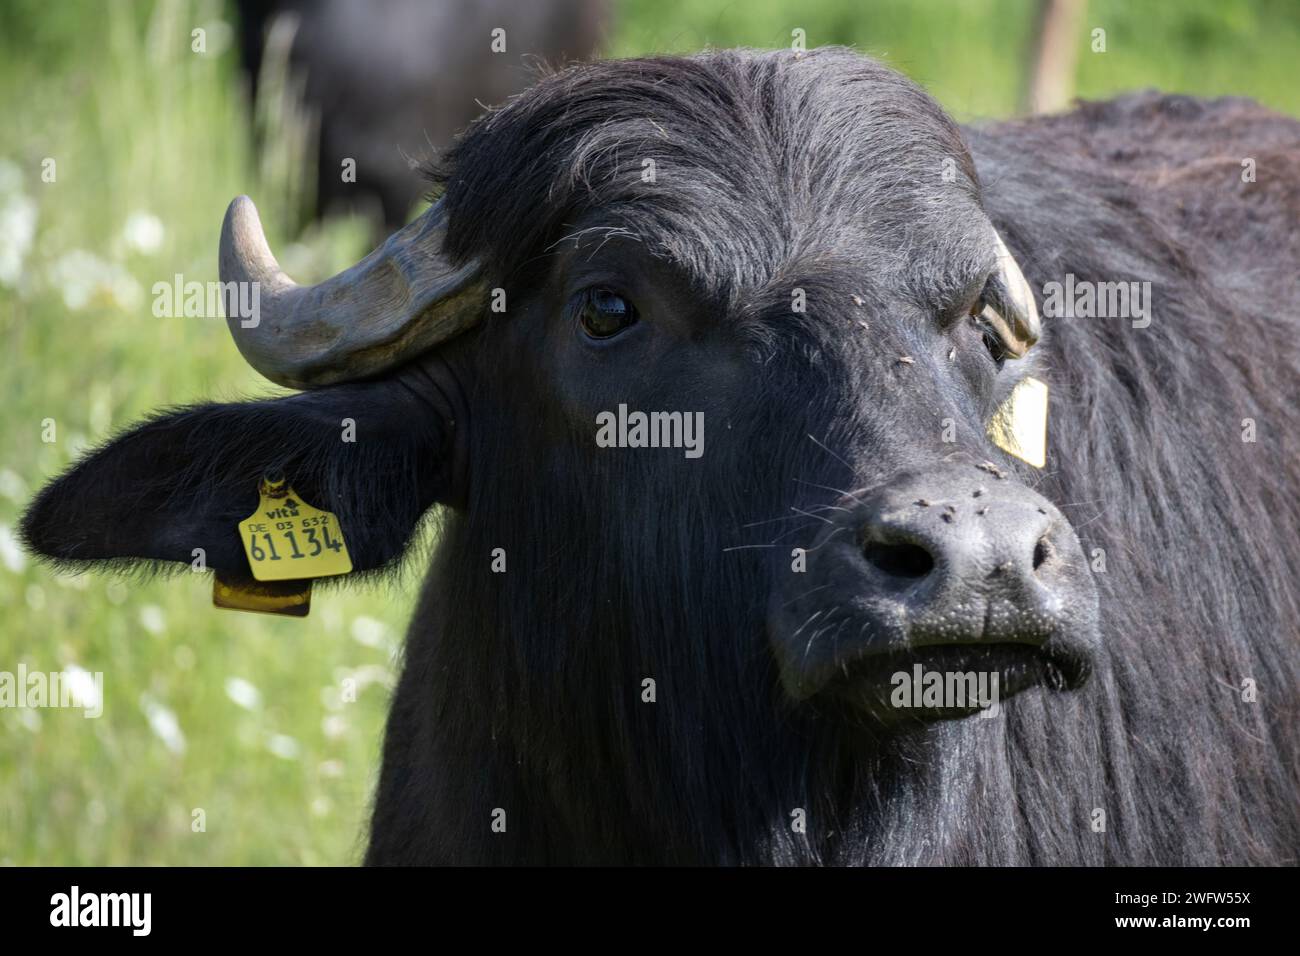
(829, 173)
(186, 478)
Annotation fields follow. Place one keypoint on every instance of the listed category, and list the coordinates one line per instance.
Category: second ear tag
(286, 538)
(238, 593)
(1019, 426)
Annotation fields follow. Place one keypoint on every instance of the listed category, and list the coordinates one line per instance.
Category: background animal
(392, 82)
(523, 691)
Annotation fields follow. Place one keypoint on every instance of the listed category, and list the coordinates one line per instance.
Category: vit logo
(103, 909)
(288, 509)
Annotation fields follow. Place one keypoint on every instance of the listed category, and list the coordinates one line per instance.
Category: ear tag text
(1019, 426)
(288, 539)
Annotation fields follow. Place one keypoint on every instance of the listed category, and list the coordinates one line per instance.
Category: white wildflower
(17, 229)
(369, 632)
(152, 619)
(85, 689)
(283, 746)
(143, 233)
(163, 722)
(10, 552)
(243, 693)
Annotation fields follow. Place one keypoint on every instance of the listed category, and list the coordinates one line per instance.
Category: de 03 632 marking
(287, 539)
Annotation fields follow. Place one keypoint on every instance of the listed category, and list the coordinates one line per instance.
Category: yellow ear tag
(238, 593)
(1019, 426)
(287, 539)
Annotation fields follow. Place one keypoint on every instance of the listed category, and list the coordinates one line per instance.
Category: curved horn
(402, 299)
(1011, 311)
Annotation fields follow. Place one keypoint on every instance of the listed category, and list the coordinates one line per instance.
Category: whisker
(807, 514)
(790, 532)
(815, 615)
(838, 491)
(755, 524)
(805, 594)
(1090, 520)
(831, 453)
(828, 538)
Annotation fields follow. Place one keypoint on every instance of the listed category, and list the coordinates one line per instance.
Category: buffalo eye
(994, 344)
(604, 314)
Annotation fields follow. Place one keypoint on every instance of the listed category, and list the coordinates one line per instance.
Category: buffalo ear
(185, 479)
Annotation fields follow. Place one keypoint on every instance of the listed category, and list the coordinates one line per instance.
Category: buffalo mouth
(943, 586)
(951, 681)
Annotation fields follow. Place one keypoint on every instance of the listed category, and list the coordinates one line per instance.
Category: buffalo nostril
(899, 560)
(1042, 551)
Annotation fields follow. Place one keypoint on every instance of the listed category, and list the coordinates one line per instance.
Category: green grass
(141, 127)
(971, 54)
(137, 123)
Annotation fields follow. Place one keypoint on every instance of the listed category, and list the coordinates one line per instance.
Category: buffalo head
(783, 265)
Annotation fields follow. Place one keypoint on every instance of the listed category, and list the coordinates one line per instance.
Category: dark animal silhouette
(392, 81)
(689, 659)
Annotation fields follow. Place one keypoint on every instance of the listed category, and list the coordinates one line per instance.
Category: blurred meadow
(241, 715)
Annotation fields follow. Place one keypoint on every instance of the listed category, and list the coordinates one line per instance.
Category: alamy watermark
(1083, 299)
(75, 908)
(624, 429)
(946, 690)
(74, 687)
(208, 300)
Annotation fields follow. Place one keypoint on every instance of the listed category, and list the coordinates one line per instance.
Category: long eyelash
(992, 344)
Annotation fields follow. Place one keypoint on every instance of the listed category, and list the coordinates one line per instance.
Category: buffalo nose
(958, 569)
(966, 556)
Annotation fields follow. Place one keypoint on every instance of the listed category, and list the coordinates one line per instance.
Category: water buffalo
(627, 653)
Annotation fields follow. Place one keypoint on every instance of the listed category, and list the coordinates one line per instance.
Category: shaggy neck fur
(523, 691)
